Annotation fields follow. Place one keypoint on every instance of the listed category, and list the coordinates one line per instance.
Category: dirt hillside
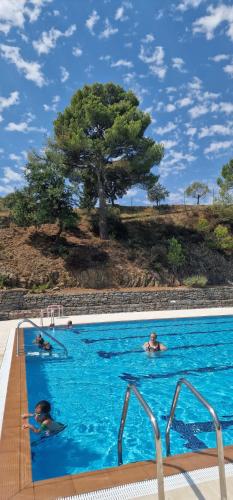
(134, 256)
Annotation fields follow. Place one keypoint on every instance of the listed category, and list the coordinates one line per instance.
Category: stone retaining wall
(19, 303)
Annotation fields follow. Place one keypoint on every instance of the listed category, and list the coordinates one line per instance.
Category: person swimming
(42, 344)
(47, 425)
(153, 345)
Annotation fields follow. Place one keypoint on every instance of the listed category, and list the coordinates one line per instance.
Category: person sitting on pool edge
(153, 345)
(43, 418)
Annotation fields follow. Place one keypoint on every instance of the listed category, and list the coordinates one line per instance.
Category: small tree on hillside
(157, 193)
(101, 132)
(197, 190)
(52, 195)
(225, 183)
(23, 207)
(46, 198)
(175, 256)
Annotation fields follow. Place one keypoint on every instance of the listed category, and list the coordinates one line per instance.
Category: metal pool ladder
(217, 425)
(26, 320)
(157, 437)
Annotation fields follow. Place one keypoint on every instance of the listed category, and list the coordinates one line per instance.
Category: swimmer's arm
(27, 415)
(32, 428)
(163, 347)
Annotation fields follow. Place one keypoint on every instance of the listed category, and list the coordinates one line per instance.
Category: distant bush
(198, 281)
(203, 226)
(41, 288)
(222, 237)
(3, 281)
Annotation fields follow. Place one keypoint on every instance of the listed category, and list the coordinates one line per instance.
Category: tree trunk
(60, 229)
(103, 230)
(198, 199)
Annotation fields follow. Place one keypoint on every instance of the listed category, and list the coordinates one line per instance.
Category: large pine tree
(102, 132)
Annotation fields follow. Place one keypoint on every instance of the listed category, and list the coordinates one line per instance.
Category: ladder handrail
(157, 437)
(218, 429)
(26, 320)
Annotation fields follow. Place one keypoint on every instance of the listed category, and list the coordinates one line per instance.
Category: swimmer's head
(153, 336)
(42, 407)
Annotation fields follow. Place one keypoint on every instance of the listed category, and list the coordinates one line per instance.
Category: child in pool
(43, 418)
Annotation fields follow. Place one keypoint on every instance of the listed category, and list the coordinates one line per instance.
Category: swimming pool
(87, 390)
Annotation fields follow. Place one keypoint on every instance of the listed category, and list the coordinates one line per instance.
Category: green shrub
(203, 226)
(40, 288)
(196, 281)
(3, 281)
(175, 255)
(222, 237)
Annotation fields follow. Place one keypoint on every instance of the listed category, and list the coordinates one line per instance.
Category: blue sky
(177, 57)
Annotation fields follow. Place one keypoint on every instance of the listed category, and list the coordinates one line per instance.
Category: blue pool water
(87, 390)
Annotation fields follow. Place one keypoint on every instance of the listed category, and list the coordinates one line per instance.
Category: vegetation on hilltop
(147, 247)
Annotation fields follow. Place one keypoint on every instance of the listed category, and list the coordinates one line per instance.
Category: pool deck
(15, 456)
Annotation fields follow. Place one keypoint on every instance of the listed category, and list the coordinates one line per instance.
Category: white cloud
(23, 127)
(148, 38)
(170, 108)
(229, 69)
(30, 69)
(178, 156)
(215, 147)
(215, 130)
(13, 13)
(219, 58)
(108, 31)
(191, 131)
(155, 59)
(187, 4)
(91, 21)
(178, 63)
(77, 52)
(166, 129)
(120, 14)
(198, 110)
(53, 106)
(195, 84)
(6, 102)
(186, 101)
(169, 144)
(64, 74)
(226, 107)
(215, 17)
(49, 39)
(122, 63)
(15, 157)
(10, 175)
(105, 58)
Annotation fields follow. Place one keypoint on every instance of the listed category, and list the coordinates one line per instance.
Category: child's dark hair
(45, 406)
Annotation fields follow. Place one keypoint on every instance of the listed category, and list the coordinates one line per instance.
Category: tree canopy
(197, 190)
(225, 182)
(101, 134)
(157, 193)
(47, 198)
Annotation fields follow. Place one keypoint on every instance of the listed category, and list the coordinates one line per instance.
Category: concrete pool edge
(20, 458)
